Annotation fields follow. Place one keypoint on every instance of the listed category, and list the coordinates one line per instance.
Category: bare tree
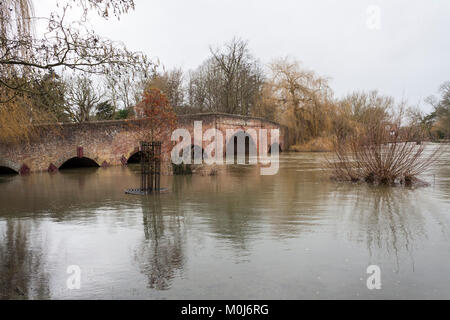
(267, 104)
(368, 107)
(204, 88)
(65, 45)
(171, 83)
(230, 81)
(82, 98)
(125, 89)
(377, 156)
(441, 114)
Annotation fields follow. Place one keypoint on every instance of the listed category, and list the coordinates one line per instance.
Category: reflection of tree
(387, 219)
(239, 207)
(239, 203)
(59, 195)
(441, 169)
(81, 176)
(22, 274)
(7, 178)
(161, 254)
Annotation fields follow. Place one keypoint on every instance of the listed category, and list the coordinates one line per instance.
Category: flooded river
(237, 235)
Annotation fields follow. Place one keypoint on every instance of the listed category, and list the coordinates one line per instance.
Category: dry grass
(320, 144)
(379, 157)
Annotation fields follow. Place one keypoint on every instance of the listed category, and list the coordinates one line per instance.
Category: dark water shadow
(23, 273)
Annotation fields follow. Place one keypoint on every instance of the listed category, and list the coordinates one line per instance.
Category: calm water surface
(237, 235)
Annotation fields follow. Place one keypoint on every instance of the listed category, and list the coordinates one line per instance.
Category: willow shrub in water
(382, 156)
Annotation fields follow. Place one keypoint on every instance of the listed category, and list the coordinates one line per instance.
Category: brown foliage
(19, 119)
(305, 100)
(171, 84)
(158, 116)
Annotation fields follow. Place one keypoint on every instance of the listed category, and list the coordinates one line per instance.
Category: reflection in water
(240, 205)
(234, 235)
(394, 220)
(383, 218)
(160, 255)
(22, 270)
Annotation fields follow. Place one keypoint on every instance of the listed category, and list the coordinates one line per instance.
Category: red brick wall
(109, 142)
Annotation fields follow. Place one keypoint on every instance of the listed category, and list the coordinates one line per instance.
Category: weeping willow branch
(27, 61)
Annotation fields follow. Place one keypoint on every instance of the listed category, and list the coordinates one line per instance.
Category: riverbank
(326, 145)
(320, 144)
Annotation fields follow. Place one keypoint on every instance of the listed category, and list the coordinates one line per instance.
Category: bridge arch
(7, 170)
(249, 143)
(67, 154)
(9, 167)
(135, 157)
(112, 143)
(78, 162)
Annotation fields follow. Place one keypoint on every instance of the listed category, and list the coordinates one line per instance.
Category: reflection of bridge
(111, 142)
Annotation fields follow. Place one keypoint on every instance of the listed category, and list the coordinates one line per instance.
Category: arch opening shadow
(7, 171)
(76, 162)
(135, 158)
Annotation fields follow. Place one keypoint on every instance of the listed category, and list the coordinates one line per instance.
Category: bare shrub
(384, 155)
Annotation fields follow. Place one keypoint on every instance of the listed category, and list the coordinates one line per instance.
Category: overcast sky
(405, 53)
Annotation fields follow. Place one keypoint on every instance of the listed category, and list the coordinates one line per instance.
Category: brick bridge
(113, 143)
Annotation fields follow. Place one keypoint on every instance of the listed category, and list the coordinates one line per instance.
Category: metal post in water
(150, 166)
(157, 165)
(151, 156)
